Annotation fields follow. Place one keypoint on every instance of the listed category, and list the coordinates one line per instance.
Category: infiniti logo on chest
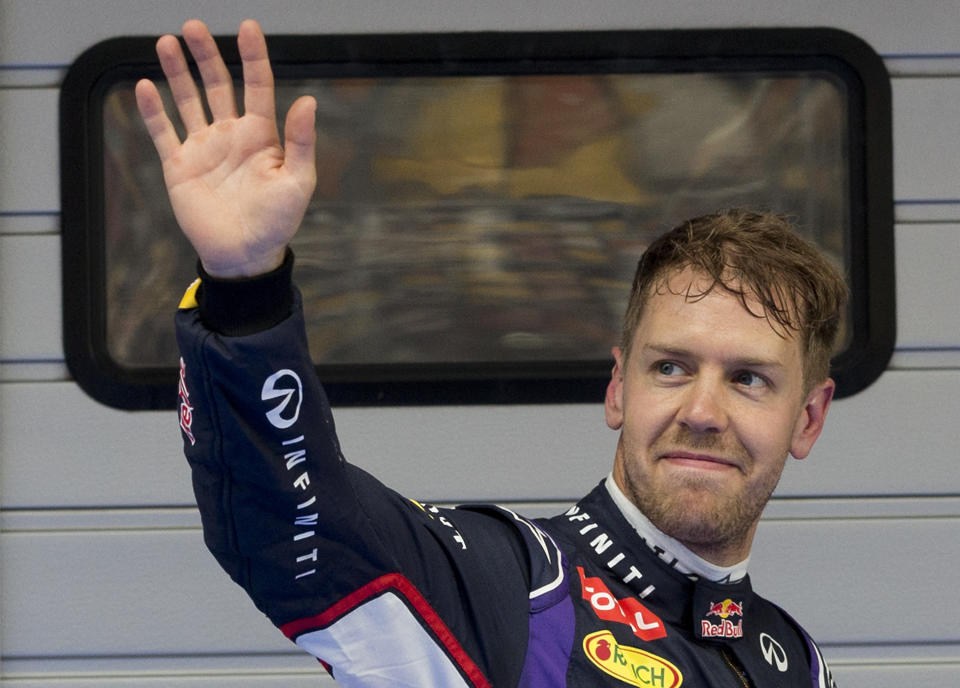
(773, 652)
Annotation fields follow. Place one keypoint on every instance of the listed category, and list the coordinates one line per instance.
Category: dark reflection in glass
(494, 218)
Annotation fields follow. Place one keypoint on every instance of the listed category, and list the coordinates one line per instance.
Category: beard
(702, 511)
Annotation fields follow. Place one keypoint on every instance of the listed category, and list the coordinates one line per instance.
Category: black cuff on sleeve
(237, 307)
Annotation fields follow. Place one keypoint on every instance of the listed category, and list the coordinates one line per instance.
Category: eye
(669, 368)
(749, 379)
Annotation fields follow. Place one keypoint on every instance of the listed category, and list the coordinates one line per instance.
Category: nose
(703, 408)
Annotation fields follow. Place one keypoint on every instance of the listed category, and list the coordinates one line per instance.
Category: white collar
(670, 550)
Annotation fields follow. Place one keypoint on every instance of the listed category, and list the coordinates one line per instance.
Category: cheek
(647, 417)
(766, 435)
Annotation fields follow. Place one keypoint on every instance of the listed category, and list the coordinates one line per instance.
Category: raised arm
(237, 193)
(384, 590)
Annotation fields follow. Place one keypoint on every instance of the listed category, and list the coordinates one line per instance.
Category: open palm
(238, 195)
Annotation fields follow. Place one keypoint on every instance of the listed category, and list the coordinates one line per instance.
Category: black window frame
(870, 250)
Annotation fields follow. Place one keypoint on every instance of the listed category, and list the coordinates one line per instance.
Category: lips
(699, 460)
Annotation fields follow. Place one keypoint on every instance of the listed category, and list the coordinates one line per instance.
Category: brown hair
(754, 255)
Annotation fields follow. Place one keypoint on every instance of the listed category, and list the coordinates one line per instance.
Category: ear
(613, 404)
(811, 419)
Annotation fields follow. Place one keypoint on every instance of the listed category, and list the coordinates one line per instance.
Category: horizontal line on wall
(931, 652)
(924, 359)
(921, 56)
(185, 517)
(890, 655)
(55, 370)
(180, 666)
(927, 201)
(30, 76)
(910, 65)
(927, 212)
(34, 371)
(29, 223)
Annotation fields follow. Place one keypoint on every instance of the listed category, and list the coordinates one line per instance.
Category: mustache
(683, 439)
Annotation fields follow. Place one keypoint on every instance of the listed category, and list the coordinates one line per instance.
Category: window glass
(491, 219)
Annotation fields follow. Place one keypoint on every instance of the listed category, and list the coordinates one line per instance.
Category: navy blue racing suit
(387, 591)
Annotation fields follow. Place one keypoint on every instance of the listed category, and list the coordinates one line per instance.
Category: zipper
(735, 668)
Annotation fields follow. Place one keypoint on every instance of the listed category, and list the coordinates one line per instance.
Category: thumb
(300, 142)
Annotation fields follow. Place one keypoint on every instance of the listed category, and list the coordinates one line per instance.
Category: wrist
(244, 305)
(252, 268)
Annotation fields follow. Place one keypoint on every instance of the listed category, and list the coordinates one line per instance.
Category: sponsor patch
(773, 652)
(725, 609)
(630, 664)
(186, 410)
(644, 623)
(286, 386)
(725, 627)
(719, 611)
(436, 515)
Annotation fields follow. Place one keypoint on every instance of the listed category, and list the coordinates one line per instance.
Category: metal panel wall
(103, 576)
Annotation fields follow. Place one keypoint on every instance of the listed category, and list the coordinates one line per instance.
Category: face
(709, 403)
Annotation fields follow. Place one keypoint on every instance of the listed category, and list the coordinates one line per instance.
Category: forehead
(684, 312)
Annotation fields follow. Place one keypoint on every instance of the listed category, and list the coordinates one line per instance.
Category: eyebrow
(680, 352)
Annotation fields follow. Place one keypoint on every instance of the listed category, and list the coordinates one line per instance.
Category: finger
(258, 95)
(161, 130)
(217, 82)
(300, 142)
(182, 85)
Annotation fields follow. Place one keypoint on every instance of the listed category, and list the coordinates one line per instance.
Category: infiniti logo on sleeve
(290, 392)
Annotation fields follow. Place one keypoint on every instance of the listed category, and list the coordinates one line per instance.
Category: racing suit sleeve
(383, 590)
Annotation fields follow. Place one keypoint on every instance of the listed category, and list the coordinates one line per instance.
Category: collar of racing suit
(670, 550)
(610, 542)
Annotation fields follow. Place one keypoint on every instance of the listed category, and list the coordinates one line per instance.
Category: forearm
(302, 531)
(266, 461)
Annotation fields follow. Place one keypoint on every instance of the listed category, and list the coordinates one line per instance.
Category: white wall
(103, 577)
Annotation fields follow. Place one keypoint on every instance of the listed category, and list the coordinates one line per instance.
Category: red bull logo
(186, 410)
(725, 609)
(726, 628)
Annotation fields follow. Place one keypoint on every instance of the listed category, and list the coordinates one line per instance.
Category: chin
(699, 516)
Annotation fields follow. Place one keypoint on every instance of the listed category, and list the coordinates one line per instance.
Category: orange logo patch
(643, 622)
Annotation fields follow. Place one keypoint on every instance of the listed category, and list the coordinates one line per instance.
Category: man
(722, 372)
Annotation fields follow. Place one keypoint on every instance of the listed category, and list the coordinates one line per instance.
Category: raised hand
(238, 195)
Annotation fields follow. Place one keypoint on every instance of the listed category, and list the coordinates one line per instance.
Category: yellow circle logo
(630, 664)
